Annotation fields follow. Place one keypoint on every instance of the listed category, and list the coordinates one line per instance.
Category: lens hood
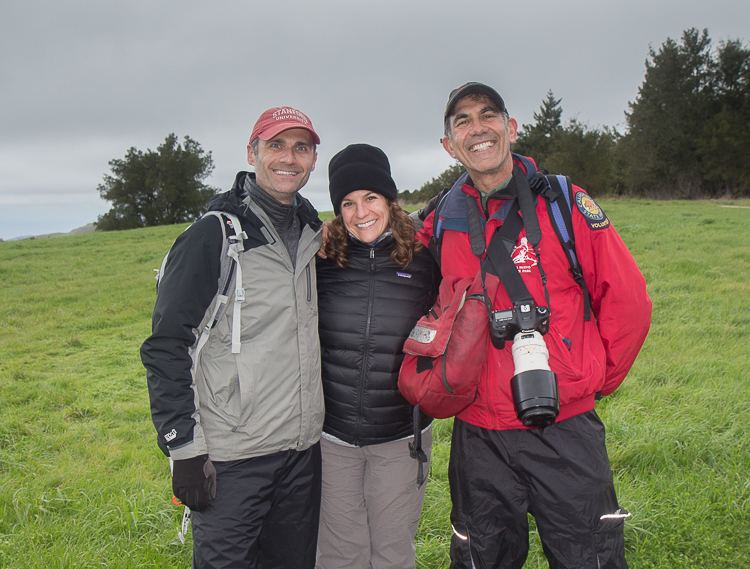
(536, 397)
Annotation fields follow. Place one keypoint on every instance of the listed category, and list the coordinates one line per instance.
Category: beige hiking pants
(370, 505)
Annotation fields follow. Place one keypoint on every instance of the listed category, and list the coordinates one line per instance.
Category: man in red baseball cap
(282, 149)
(236, 394)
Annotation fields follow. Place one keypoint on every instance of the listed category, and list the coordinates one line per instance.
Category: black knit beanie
(360, 167)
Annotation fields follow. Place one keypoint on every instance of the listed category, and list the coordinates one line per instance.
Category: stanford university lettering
(290, 114)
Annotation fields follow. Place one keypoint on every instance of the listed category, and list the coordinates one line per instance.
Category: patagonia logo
(405, 275)
(594, 215)
(171, 435)
(422, 335)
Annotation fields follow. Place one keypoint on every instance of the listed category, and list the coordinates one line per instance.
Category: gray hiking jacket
(266, 399)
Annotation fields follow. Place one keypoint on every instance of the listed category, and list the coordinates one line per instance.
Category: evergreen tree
(537, 140)
(157, 188)
(588, 156)
(667, 119)
(548, 119)
(725, 141)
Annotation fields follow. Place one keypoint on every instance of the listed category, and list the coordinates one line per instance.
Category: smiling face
(366, 215)
(480, 139)
(283, 163)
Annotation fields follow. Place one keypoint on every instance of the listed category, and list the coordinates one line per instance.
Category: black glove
(194, 481)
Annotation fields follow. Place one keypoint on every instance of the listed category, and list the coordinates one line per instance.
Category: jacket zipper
(363, 373)
(309, 282)
(488, 221)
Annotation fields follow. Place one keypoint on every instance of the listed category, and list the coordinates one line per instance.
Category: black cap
(473, 88)
(360, 167)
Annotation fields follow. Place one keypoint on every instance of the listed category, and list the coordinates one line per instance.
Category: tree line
(688, 130)
(687, 136)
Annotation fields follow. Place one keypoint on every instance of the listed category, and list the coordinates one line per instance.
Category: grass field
(83, 485)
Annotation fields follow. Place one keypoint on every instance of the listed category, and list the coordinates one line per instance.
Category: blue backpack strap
(558, 186)
(436, 240)
(450, 213)
(563, 221)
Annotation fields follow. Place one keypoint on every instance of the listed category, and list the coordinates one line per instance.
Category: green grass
(82, 483)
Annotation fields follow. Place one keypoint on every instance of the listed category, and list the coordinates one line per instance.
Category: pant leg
(490, 500)
(571, 487)
(344, 537)
(290, 530)
(236, 530)
(394, 501)
(226, 535)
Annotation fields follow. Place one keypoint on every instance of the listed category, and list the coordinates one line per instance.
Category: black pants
(265, 515)
(560, 474)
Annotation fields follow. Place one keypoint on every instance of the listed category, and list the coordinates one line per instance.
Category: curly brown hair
(404, 244)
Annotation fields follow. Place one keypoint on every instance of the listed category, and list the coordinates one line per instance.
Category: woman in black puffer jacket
(373, 286)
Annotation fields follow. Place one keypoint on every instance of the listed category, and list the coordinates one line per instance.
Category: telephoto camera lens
(535, 394)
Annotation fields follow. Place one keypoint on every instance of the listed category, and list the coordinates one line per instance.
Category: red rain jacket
(587, 357)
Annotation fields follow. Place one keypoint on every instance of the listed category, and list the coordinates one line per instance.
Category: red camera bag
(447, 349)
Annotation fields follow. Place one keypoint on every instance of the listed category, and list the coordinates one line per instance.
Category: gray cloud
(85, 80)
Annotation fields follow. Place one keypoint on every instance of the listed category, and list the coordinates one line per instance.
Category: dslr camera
(534, 385)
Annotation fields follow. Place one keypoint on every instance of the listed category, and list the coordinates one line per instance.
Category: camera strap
(498, 260)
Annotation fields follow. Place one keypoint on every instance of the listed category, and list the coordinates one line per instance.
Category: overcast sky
(84, 80)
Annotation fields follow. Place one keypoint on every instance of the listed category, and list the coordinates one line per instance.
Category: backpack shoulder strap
(446, 195)
(230, 273)
(436, 241)
(235, 248)
(560, 213)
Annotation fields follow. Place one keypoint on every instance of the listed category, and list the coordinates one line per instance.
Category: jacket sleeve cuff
(194, 448)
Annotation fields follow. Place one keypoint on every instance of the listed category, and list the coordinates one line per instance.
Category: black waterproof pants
(265, 515)
(560, 474)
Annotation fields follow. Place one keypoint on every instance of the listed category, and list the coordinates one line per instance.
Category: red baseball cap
(279, 119)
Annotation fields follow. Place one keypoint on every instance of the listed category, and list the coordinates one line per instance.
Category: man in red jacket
(502, 468)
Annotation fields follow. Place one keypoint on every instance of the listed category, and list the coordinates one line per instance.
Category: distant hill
(79, 231)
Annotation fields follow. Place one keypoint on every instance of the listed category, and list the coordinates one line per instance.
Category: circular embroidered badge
(595, 216)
